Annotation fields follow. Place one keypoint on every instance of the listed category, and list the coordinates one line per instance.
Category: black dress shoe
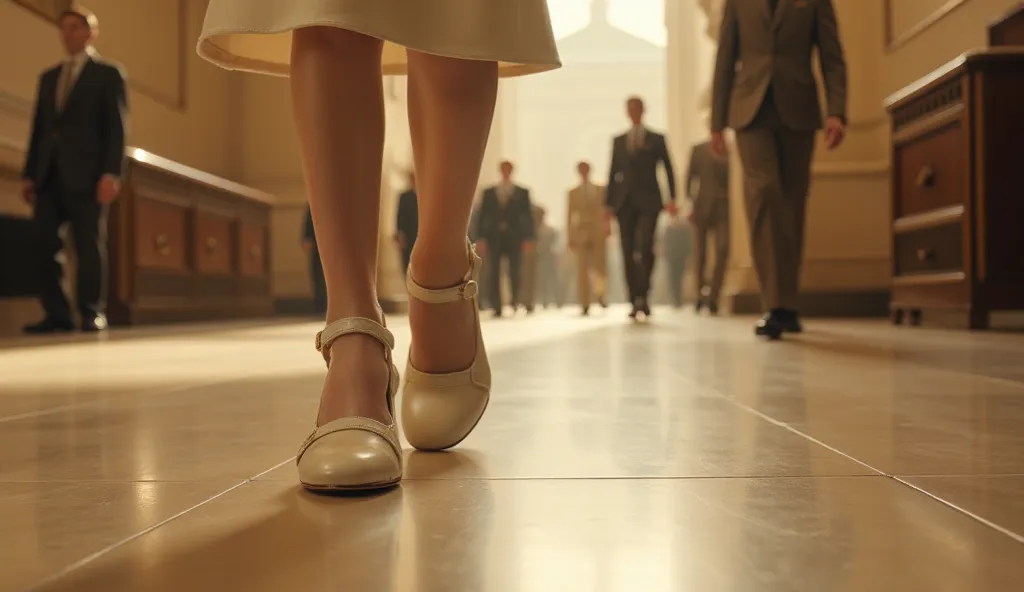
(95, 324)
(586, 311)
(645, 308)
(697, 307)
(603, 302)
(769, 326)
(634, 313)
(47, 326)
(790, 321)
(713, 308)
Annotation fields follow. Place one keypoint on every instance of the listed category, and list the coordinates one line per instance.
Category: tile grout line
(893, 477)
(96, 555)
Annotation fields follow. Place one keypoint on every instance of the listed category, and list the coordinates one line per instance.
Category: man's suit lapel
(780, 13)
(88, 69)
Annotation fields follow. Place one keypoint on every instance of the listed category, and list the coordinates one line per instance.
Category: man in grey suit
(765, 90)
(634, 196)
(506, 230)
(707, 186)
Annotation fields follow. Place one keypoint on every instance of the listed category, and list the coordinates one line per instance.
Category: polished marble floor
(679, 455)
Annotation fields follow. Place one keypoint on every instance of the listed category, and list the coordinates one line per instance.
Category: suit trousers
(511, 252)
(716, 226)
(528, 280)
(316, 273)
(591, 271)
(636, 228)
(56, 208)
(776, 179)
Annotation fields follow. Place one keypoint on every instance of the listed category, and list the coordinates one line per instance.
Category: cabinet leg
(897, 316)
(915, 317)
(979, 319)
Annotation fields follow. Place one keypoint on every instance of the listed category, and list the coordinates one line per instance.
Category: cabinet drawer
(213, 245)
(252, 250)
(931, 171)
(930, 250)
(160, 235)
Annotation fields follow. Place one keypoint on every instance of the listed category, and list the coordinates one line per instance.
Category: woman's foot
(355, 445)
(448, 378)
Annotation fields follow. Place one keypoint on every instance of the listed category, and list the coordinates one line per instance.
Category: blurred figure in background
(530, 269)
(548, 273)
(707, 187)
(316, 268)
(676, 245)
(634, 197)
(73, 171)
(587, 229)
(407, 222)
(505, 231)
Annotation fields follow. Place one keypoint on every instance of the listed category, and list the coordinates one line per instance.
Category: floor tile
(45, 528)
(764, 535)
(998, 499)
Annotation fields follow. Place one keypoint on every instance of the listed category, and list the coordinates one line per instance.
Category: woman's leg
(451, 104)
(338, 100)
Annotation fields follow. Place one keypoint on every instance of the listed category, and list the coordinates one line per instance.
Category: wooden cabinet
(186, 246)
(958, 202)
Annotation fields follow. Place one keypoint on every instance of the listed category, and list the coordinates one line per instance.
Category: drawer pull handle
(926, 177)
(255, 251)
(211, 245)
(924, 255)
(163, 245)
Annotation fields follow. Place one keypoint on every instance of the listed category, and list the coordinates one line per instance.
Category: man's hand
(835, 132)
(108, 189)
(691, 217)
(481, 247)
(527, 246)
(28, 191)
(718, 146)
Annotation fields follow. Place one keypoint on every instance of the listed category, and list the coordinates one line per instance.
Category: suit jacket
(408, 219)
(757, 50)
(707, 181)
(85, 140)
(513, 223)
(633, 176)
(586, 222)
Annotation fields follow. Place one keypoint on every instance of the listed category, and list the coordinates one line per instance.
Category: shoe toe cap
(349, 459)
(436, 421)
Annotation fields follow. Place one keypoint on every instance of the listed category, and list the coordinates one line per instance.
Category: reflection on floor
(678, 455)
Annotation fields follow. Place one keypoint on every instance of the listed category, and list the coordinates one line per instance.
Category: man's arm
(833, 63)
(32, 159)
(666, 159)
(691, 172)
(115, 122)
(527, 213)
(725, 68)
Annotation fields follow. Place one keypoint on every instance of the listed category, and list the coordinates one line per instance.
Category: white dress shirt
(636, 138)
(69, 74)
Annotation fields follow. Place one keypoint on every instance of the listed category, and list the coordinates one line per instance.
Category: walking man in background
(505, 230)
(316, 267)
(765, 90)
(587, 230)
(707, 186)
(634, 196)
(73, 171)
(407, 222)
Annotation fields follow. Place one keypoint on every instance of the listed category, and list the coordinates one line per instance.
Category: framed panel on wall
(905, 20)
(48, 9)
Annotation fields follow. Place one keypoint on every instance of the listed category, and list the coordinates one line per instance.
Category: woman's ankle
(436, 269)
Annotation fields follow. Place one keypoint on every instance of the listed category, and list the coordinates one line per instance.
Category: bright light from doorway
(643, 18)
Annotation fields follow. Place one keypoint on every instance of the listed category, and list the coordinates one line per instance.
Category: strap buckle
(469, 290)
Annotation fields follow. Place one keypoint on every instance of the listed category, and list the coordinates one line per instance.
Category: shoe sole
(351, 488)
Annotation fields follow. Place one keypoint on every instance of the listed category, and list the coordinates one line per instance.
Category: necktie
(65, 85)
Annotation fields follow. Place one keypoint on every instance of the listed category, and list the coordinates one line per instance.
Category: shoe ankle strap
(349, 326)
(466, 290)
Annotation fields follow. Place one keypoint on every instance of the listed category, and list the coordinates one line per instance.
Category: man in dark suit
(505, 230)
(73, 171)
(707, 186)
(316, 267)
(407, 222)
(765, 89)
(634, 197)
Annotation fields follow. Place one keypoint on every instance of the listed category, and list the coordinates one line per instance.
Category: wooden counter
(184, 245)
